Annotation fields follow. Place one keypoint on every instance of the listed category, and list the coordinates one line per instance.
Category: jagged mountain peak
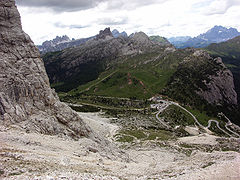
(219, 34)
(57, 40)
(141, 41)
(103, 34)
(216, 34)
(116, 33)
(140, 37)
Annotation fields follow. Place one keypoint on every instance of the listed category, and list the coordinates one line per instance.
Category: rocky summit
(103, 34)
(26, 99)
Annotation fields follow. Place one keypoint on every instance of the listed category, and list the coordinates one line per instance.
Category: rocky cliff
(26, 99)
(103, 34)
(220, 87)
(201, 77)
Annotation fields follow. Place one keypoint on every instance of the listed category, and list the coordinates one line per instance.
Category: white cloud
(162, 17)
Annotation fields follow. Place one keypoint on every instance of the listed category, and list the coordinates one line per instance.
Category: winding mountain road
(159, 112)
(229, 124)
(162, 107)
(217, 123)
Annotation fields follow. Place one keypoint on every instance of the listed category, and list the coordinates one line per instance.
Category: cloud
(61, 5)
(71, 26)
(131, 4)
(215, 7)
(77, 5)
(112, 21)
(160, 17)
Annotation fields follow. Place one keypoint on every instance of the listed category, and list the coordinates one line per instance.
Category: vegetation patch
(85, 108)
(139, 134)
(159, 135)
(124, 138)
(202, 117)
(174, 115)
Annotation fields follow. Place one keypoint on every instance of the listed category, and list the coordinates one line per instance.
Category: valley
(116, 106)
(148, 101)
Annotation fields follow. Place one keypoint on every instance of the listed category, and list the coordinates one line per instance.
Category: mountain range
(62, 42)
(216, 34)
(137, 67)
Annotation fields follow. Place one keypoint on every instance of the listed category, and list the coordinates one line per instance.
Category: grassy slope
(133, 77)
(144, 75)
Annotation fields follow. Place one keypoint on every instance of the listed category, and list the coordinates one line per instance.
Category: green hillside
(138, 69)
(159, 39)
(138, 77)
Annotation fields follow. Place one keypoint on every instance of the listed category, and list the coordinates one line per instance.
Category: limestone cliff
(26, 99)
(201, 79)
(220, 87)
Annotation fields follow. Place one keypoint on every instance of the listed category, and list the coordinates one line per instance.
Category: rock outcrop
(103, 34)
(26, 99)
(220, 87)
(201, 79)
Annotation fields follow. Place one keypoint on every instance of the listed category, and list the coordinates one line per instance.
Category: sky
(45, 19)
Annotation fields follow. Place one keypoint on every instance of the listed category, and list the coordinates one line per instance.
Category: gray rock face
(141, 39)
(103, 34)
(220, 87)
(26, 99)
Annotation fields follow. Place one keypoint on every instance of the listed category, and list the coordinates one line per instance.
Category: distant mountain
(215, 35)
(177, 41)
(229, 51)
(62, 42)
(116, 33)
(160, 40)
(219, 34)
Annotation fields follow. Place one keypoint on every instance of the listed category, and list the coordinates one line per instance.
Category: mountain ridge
(60, 43)
(137, 67)
(216, 34)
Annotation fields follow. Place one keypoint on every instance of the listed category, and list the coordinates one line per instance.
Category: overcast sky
(45, 19)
